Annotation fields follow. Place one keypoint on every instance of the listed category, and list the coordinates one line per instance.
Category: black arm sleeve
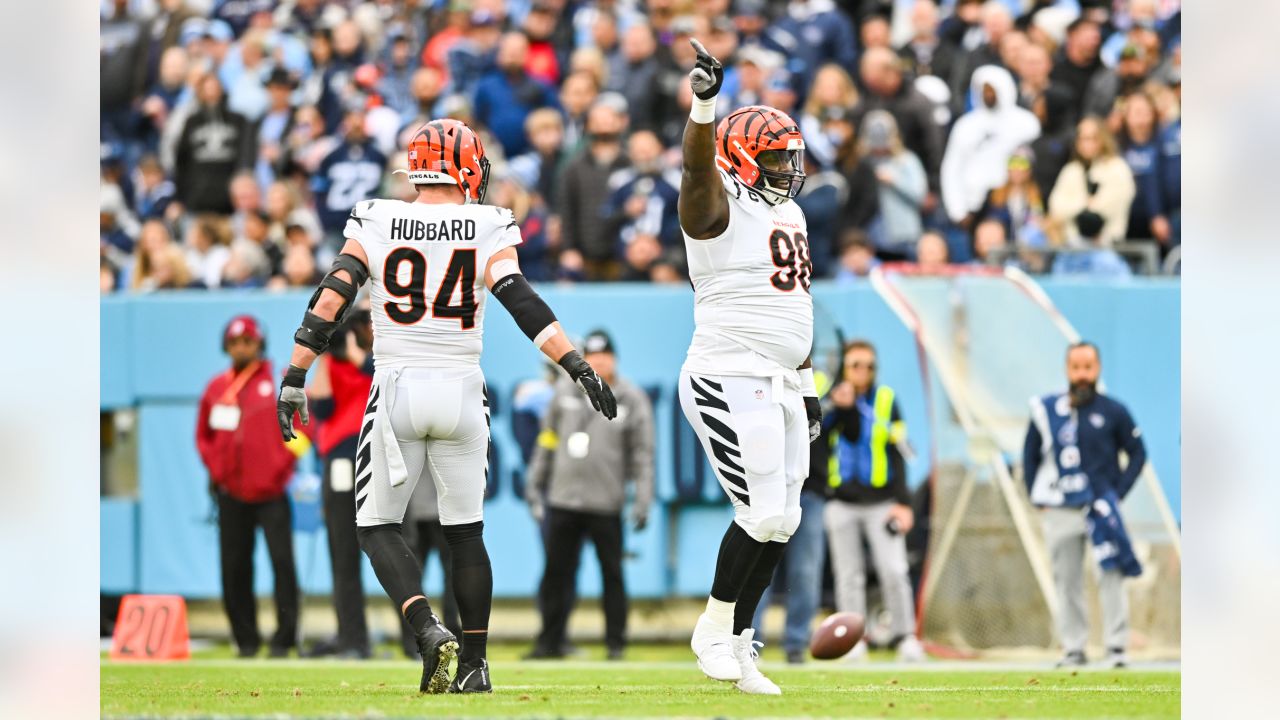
(530, 312)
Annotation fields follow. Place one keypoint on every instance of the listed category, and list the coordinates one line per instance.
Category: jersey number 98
(461, 272)
(790, 252)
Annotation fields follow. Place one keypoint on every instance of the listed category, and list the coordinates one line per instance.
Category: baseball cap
(220, 30)
(281, 76)
(242, 326)
(193, 29)
(597, 341)
(749, 8)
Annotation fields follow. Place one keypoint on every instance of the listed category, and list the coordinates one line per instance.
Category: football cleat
(753, 681)
(1072, 658)
(910, 650)
(1116, 659)
(472, 678)
(713, 645)
(438, 648)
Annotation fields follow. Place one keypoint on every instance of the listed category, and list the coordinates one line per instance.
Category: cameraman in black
(339, 389)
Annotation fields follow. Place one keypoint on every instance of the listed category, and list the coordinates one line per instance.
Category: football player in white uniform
(747, 383)
(430, 262)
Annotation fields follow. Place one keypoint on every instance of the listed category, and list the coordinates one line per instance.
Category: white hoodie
(977, 157)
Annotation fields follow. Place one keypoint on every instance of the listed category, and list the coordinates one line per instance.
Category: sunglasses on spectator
(859, 365)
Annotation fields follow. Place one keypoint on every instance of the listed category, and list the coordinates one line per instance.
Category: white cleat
(910, 650)
(753, 681)
(714, 647)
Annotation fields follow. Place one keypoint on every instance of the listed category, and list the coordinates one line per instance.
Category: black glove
(707, 74)
(292, 399)
(813, 409)
(593, 385)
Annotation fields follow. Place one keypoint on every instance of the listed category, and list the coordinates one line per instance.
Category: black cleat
(438, 647)
(1072, 659)
(472, 678)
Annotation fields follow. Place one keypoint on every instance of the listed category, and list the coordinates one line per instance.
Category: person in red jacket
(249, 466)
(338, 393)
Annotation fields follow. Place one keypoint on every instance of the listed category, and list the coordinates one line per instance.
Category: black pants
(566, 529)
(237, 522)
(344, 553)
(424, 536)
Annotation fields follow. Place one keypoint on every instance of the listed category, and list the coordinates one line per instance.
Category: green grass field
(658, 682)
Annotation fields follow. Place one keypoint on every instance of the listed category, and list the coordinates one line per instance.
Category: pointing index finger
(702, 52)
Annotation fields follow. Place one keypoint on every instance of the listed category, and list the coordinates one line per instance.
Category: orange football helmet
(450, 153)
(762, 146)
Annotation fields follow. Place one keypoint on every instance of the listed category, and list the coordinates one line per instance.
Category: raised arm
(503, 278)
(336, 293)
(703, 203)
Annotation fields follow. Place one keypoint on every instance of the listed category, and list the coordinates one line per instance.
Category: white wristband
(807, 386)
(703, 112)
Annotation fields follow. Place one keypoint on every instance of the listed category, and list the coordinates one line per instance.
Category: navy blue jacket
(1104, 430)
(349, 174)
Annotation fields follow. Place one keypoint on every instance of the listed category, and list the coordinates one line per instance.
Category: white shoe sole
(775, 690)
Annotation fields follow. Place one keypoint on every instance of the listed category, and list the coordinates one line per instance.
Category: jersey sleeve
(359, 222)
(506, 232)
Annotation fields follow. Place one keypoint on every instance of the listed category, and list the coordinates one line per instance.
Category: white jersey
(426, 266)
(752, 311)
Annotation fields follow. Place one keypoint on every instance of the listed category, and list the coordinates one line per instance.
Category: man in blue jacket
(1071, 463)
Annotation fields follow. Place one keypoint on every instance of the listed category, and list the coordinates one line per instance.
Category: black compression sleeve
(530, 312)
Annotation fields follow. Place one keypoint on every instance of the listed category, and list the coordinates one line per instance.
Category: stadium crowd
(237, 134)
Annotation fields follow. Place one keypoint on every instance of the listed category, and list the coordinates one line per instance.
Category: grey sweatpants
(1066, 537)
(847, 524)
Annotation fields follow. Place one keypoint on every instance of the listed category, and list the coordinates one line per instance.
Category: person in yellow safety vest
(868, 497)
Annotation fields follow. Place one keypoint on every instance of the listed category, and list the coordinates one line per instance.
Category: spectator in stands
(158, 262)
(214, 144)
(307, 145)
(587, 248)
(988, 240)
(996, 23)
(152, 191)
(873, 29)
(1071, 467)
(249, 465)
(425, 87)
(247, 266)
(868, 496)
(1137, 60)
(545, 59)
(108, 277)
(336, 91)
(1096, 182)
(578, 486)
(926, 53)
(246, 198)
(641, 210)
(857, 256)
(1077, 61)
(832, 97)
(206, 248)
(819, 34)
(1018, 205)
(745, 82)
(1167, 228)
(1089, 256)
(513, 189)
(399, 67)
(978, 152)
(931, 253)
(299, 269)
(163, 96)
(545, 130)
(507, 94)
(1053, 148)
(245, 92)
(1032, 70)
(1140, 148)
(117, 228)
(277, 122)
(902, 184)
(122, 67)
(577, 95)
(349, 174)
(862, 204)
(885, 90)
(641, 82)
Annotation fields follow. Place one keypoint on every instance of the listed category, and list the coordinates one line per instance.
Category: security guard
(577, 486)
(869, 498)
(1071, 464)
